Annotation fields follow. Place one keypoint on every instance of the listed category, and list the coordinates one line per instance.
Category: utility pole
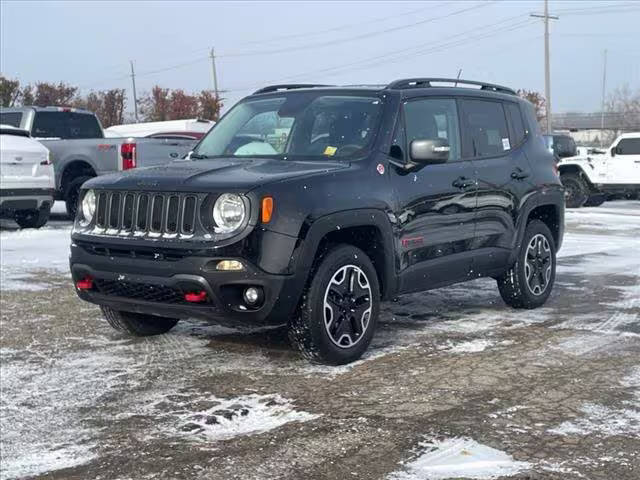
(547, 69)
(213, 71)
(604, 85)
(135, 100)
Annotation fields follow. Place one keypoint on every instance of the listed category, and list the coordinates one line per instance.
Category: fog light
(85, 284)
(229, 265)
(252, 295)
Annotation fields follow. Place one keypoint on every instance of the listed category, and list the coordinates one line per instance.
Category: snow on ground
(456, 458)
(472, 346)
(69, 383)
(26, 252)
(599, 419)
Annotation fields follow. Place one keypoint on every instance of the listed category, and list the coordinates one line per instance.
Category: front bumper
(153, 284)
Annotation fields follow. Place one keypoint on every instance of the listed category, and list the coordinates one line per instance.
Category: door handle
(519, 174)
(463, 183)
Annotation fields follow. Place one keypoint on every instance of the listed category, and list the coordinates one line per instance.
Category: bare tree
(108, 105)
(50, 94)
(210, 105)
(154, 106)
(538, 101)
(9, 92)
(623, 106)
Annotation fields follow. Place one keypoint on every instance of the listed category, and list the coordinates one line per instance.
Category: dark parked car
(561, 145)
(309, 205)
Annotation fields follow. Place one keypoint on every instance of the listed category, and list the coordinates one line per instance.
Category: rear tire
(575, 188)
(528, 283)
(71, 194)
(137, 323)
(338, 312)
(33, 218)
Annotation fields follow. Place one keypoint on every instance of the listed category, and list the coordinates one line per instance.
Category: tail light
(128, 154)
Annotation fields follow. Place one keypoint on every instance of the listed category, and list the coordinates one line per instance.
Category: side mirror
(614, 150)
(429, 151)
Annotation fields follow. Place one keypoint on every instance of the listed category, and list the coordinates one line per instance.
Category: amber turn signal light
(267, 209)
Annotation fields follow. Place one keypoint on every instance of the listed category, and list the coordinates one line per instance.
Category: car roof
(630, 135)
(45, 109)
(408, 87)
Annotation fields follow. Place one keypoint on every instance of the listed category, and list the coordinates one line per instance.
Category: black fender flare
(313, 232)
(553, 197)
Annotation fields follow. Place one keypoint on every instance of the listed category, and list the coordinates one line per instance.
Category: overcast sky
(89, 44)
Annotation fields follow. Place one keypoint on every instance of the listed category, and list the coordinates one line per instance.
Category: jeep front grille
(143, 213)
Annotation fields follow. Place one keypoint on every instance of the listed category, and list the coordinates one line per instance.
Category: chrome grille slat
(146, 213)
(189, 215)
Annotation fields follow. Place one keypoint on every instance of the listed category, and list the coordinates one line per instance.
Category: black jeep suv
(308, 205)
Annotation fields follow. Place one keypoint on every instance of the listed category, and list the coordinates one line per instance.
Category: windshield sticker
(330, 151)
(505, 144)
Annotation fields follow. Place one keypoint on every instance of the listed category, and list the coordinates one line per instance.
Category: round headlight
(228, 213)
(89, 205)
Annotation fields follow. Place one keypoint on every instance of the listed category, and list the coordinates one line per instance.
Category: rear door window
(11, 118)
(628, 146)
(485, 129)
(65, 125)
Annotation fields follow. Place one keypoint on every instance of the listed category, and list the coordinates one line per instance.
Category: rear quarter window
(11, 118)
(516, 125)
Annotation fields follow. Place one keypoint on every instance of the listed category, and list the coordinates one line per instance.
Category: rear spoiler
(14, 131)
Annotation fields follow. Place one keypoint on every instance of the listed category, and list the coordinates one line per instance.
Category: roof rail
(426, 82)
(291, 86)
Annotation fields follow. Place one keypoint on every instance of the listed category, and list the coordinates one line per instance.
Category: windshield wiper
(197, 156)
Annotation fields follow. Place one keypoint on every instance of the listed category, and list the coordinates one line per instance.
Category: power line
(356, 37)
(408, 52)
(351, 25)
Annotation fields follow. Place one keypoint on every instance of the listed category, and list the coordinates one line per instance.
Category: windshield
(295, 126)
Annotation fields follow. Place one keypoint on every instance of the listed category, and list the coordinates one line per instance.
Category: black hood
(212, 174)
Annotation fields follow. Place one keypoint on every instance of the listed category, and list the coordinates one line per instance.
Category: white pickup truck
(79, 150)
(589, 180)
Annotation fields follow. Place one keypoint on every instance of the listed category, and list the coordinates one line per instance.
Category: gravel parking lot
(456, 385)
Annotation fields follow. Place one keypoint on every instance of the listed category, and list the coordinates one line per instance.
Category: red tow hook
(85, 284)
(198, 297)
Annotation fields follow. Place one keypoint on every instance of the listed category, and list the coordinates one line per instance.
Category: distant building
(586, 128)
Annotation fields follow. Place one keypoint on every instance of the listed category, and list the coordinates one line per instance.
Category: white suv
(590, 179)
(26, 178)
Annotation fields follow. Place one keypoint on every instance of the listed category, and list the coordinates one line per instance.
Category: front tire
(576, 190)
(338, 313)
(528, 283)
(137, 324)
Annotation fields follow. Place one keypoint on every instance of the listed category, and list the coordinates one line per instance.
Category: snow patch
(459, 457)
(39, 462)
(228, 418)
(31, 250)
(471, 346)
(602, 420)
